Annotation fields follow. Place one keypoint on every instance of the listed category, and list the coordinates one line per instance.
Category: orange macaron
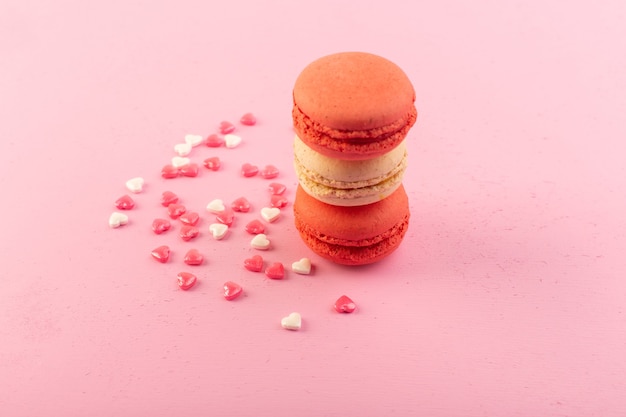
(352, 235)
(353, 105)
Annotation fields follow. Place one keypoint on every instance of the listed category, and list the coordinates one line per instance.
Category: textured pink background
(507, 298)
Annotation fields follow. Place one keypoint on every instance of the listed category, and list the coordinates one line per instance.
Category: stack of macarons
(352, 112)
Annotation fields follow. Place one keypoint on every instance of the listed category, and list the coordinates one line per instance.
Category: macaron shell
(355, 235)
(353, 105)
(354, 91)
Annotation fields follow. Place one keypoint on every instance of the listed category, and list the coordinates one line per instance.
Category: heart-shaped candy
(226, 127)
(190, 217)
(275, 271)
(260, 242)
(218, 230)
(232, 290)
(169, 171)
(193, 140)
(214, 141)
(189, 170)
(161, 254)
(216, 206)
(269, 172)
(227, 216)
(344, 304)
(186, 280)
(193, 257)
(232, 141)
(180, 161)
(160, 225)
(303, 266)
(254, 264)
(255, 227)
(117, 219)
(213, 163)
(135, 185)
(182, 149)
(270, 214)
(292, 322)
(278, 201)
(125, 202)
(241, 205)
(168, 198)
(188, 232)
(276, 188)
(176, 210)
(249, 170)
(248, 119)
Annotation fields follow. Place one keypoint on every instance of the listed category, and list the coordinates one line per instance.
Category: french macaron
(356, 235)
(349, 182)
(353, 105)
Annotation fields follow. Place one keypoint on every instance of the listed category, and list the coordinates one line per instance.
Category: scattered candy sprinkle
(169, 171)
(232, 141)
(226, 127)
(135, 185)
(193, 140)
(344, 304)
(125, 202)
(232, 290)
(188, 232)
(260, 242)
(180, 161)
(160, 225)
(117, 219)
(276, 188)
(216, 206)
(292, 322)
(193, 257)
(189, 170)
(248, 119)
(168, 198)
(218, 230)
(213, 163)
(270, 214)
(278, 201)
(275, 271)
(255, 227)
(182, 149)
(241, 205)
(254, 264)
(269, 172)
(176, 210)
(249, 170)
(190, 217)
(186, 280)
(214, 141)
(161, 254)
(303, 266)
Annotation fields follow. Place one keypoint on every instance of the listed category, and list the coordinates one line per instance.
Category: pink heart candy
(232, 290)
(161, 254)
(226, 217)
(241, 205)
(254, 264)
(214, 141)
(276, 188)
(275, 271)
(186, 280)
(188, 232)
(168, 198)
(249, 170)
(169, 171)
(193, 257)
(125, 202)
(176, 210)
(344, 304)
(278, 201)
(226, 127)
(190, 217)
(248, 119)
(255, 227)
(269, 172)
(160, 225)
(213, 163)
(189, 170)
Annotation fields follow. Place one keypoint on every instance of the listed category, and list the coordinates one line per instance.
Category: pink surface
(507, 297)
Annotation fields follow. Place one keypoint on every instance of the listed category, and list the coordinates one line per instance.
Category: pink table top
(507, 297)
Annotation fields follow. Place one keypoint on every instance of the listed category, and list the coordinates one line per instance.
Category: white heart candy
(232, 141)
(182, 149)
(216, 206)
(270, 214)
(193, 140)
(292, 321)
(260, 242)
(117, 219)
(218, 230)
(135, 185)
(180, 161)
(303, 266)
